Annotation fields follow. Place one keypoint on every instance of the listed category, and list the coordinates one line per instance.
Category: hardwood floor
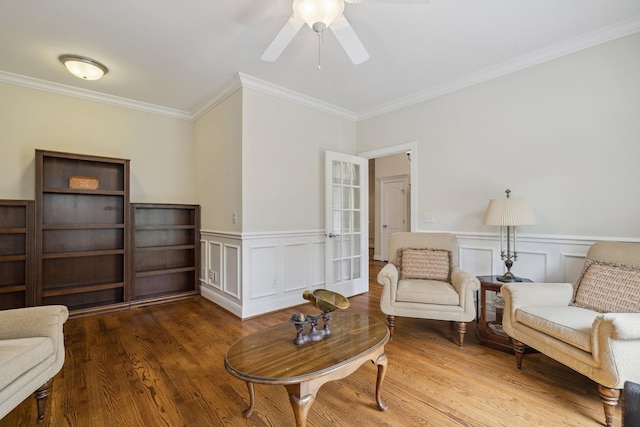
(163, 366)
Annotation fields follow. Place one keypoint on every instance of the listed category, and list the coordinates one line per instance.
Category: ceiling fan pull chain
(319, 46)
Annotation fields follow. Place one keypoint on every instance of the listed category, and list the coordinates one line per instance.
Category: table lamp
(508, 213)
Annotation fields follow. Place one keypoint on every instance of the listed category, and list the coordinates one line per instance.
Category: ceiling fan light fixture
(82, 67)
(314, 11)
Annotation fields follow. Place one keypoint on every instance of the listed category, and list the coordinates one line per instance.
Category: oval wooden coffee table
(271, 357)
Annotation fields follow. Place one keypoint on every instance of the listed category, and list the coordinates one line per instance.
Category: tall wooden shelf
(16, 253)
(166, 251)
(82, 233)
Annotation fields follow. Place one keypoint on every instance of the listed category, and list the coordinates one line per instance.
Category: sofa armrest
(621, 326)
(463, 281)
(41, 321)
(388, 275)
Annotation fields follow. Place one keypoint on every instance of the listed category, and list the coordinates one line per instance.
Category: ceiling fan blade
(349, 40)
(389, 1)
(282, 40)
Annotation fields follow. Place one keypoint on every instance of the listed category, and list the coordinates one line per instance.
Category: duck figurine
(325, 300)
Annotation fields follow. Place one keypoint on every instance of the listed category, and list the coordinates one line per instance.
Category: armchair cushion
(426, 264)
(569, 324)
(427, 292)
(608, 288)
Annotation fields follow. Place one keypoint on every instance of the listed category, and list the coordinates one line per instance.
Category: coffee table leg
(301, 404)
(252, 400)
(381, 361)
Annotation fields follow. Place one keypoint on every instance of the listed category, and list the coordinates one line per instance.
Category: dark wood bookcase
(16, 253)
(82, 232)
(166, 251)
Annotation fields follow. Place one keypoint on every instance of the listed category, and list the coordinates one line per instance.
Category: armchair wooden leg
(461, 327)
(519, 348)
(391, 322)
(41, 395)
(609, 398)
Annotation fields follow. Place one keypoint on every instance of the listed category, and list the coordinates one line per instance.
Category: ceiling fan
(320, 15)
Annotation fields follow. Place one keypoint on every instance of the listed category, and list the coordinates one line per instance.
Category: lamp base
(508, 277)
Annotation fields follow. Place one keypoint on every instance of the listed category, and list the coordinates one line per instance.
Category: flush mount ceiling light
(82, 67)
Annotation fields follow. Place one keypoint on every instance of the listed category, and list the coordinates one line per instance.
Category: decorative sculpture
(325, 300)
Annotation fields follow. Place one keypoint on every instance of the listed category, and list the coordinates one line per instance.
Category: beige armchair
(31, 354)
(592, 327)
(422, 280)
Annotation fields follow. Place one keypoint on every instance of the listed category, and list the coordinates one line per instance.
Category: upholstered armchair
(422, 280)
(592, 327)
(31, 354)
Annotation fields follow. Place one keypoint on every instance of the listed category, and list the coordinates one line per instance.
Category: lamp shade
(313, 11)
(509, 211)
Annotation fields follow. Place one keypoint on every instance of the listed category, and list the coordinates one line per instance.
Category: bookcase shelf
(165, 251)
(82, 258)
(16, 253)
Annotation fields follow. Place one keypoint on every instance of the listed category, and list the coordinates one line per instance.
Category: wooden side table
(489, 326)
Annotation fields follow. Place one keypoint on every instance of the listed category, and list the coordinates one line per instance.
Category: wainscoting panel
(214, 264)
(262, 270)
(253, 274)
(231, 275)
(296, 266)
(222, 263)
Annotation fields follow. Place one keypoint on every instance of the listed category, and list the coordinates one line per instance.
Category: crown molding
(60, 89)
(242, 80)
(289, 95)
(576, 44)
(231, 87)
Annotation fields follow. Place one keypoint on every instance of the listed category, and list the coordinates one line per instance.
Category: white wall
(565, 134)
(218, 140)
(160, 148)
(283, 162)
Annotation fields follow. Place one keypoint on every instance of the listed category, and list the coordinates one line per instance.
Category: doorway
(387, 166)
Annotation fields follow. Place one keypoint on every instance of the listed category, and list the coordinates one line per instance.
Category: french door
(346, 217)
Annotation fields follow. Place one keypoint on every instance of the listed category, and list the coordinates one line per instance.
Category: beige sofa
(430, 286)
(592, 327)
(31, 354)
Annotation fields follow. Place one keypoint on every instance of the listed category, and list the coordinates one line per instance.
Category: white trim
(549, 53)
(541, 238)
(397, 149)
(227, 90)
(585, 41)
(90, 95)
(289, 95)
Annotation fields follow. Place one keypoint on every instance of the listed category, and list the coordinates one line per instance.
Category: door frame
(412, 148)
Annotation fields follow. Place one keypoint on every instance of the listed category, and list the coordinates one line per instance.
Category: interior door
(393, 209)
(346, 231)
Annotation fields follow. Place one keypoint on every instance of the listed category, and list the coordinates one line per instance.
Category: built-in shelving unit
(82, 214)
(166, 246)
(16, 253)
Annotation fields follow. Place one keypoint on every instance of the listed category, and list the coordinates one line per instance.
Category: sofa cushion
(17, 356)
(608, 288)
(426, 264)
(567, 323)
(427, 292)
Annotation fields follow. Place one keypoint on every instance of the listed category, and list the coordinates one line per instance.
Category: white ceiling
(179, 55)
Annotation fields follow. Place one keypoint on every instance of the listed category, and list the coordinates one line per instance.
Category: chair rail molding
(250, 274)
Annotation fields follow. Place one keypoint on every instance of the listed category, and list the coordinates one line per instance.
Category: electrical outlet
(213, 276)
(234, 218)
(429, 218)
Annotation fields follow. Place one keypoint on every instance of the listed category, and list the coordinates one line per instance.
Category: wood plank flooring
(163, 366)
